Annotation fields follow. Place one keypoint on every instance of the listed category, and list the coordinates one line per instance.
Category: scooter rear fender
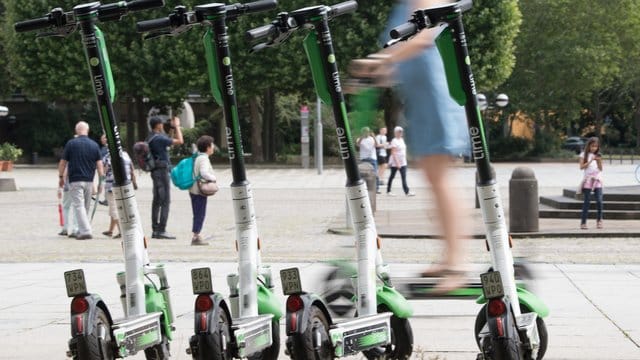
(296, 322)
(527, 299)
(82, 324)
(204, 322)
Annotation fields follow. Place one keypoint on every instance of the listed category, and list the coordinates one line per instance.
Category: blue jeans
(403, 174)
(199, 207)
(587, 201)
(373, 162)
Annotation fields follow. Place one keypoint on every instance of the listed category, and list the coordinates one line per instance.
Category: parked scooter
(247, 326)
(381, 328)
(148, 321)
(510, 325)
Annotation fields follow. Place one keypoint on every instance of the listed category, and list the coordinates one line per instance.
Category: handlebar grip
(343, 8)
(153, 24)
(262, 5)
(404, 30)
(33, 24)
(138, 5)
(465, 5)
(260, 32)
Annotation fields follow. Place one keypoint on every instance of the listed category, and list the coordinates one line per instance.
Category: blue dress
(436, 123)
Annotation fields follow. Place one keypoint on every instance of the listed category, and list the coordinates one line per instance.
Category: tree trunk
(131, 128)
(256, 128)
(269, 125)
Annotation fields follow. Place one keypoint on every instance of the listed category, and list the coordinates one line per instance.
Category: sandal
(117, 236)
(107, 233)
(599, 224)
(584, 227)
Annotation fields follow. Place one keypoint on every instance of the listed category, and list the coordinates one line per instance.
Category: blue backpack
(182, 174)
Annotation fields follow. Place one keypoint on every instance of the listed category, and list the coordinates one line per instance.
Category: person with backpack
(159, 142)
(202, 171)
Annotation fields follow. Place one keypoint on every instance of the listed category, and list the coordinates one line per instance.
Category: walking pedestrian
(202, 169)
(82, 156)
(159, 143)
(437, 125)
(591, 163)
(367, 147)
(382, 145)
(398, 161)
(108, 189)
(69, 223)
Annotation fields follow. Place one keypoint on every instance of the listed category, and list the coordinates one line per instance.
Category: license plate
(290, 279)
(75, 282)
(201, 281)
(492, 285)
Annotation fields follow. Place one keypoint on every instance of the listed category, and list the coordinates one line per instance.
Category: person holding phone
(591, 163)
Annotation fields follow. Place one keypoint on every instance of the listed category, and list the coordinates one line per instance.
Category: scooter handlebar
(138, 5)
(343, 8)
(33, 24)
(260, 32)
(404, 30)
(153, 24)
(465, 5)
(258, 6)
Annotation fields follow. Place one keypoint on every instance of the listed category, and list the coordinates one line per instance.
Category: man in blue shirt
(81, 157)
(159, 142)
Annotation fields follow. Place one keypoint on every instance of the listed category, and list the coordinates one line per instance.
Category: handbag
(207, 188)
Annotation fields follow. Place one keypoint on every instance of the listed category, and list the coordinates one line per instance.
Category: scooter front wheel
(401, 345)
(97, 344)
(302, 346)
(273, 351)
(159, 351)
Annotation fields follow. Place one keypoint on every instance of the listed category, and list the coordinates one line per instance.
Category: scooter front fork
(498, 240)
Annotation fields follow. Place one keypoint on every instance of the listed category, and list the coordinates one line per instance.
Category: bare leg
(436, 171)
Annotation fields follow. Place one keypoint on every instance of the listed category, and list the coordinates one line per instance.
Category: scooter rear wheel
(97, 344)
(273, 351)
(211, 346)
(301, 346)
(401, 345)
(481, 320)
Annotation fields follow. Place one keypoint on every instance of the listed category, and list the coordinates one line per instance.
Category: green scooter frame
(148, 321)
(381, 328)
(511, 325)
(247, 326)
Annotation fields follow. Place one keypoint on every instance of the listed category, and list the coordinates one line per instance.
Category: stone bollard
(369, 177)
(523, 201)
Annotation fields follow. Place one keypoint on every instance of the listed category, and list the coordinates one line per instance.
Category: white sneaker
(410, 194)
(391, 194)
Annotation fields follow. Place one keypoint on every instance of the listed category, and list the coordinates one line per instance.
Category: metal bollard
(523, 201)
(369, 177)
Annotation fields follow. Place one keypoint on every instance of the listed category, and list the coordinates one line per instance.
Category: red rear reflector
(294, 303)
(203, 321)
(500, 327)
(203, 303)
(496, 307)
(79, 324)
(294, 322)
(79, 305)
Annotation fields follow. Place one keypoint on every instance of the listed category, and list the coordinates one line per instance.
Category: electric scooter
(249, 325)
(510, 325)
(381, 328)
(148, 320)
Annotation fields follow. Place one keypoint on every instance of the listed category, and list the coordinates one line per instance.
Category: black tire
(401, 345)
(159, 351)
(97, 344)
(302, 348)
(481, 320)
(339, 292)
(273, 351)
(211, 346)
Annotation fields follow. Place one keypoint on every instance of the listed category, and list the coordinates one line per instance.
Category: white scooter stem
(246, 236)
(498, 239)
(366, 249)
(133, 246)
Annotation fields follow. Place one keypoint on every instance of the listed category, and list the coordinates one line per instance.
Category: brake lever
(58, 32)
(156, 34)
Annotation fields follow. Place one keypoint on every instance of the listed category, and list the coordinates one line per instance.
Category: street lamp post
(4, 111)
(501, 101)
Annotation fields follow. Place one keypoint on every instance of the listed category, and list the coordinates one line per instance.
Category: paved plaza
(591, 284)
